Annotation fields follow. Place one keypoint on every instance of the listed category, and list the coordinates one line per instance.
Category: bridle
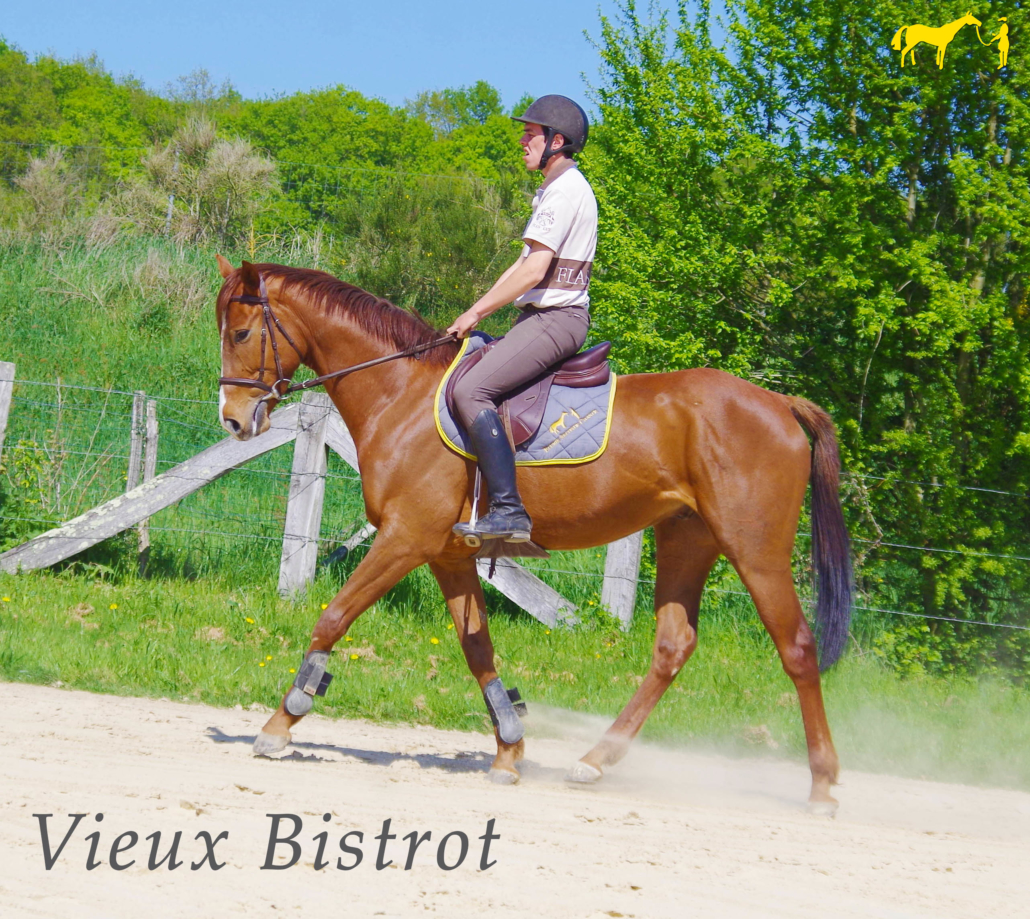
(269, 324)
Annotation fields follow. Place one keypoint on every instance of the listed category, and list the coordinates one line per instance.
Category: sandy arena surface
(666, 834)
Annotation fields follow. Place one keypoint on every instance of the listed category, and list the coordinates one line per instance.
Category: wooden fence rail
(315, 426)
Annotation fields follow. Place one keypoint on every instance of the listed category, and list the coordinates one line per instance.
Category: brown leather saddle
(523, 408)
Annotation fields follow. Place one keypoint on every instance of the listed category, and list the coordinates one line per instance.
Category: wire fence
(67, 448)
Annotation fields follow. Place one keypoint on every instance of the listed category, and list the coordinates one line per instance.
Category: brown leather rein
(268, 327)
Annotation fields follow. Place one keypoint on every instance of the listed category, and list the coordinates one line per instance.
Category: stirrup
(467, 531)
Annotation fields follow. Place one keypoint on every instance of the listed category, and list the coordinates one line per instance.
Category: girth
(524, 407)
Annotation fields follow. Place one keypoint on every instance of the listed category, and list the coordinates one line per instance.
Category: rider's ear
(251, 281)
(224, 266)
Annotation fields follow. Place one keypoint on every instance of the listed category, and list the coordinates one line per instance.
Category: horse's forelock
(222, 300)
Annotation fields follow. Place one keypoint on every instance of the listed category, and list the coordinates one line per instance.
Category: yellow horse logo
(940, 36)
(560, 423)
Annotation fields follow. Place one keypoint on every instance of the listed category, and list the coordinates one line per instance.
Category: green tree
(797, 208)
(28, 107)
(449, 109)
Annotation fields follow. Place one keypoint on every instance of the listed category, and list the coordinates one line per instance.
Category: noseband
(269, 324)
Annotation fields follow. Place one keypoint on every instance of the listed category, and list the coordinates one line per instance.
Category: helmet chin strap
(548, 152)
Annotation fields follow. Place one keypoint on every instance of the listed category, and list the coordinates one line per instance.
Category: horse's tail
(831, 555)
(896, 41)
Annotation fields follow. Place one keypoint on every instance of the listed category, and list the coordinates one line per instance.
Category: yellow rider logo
(1002, 38)
(941, 36)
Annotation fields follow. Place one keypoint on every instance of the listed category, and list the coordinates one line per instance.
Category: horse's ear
(224, 266)
(251, 279)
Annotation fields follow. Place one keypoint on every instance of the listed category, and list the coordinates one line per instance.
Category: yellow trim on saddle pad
(437, 401)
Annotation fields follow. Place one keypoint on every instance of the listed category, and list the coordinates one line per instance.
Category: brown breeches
(539, 339)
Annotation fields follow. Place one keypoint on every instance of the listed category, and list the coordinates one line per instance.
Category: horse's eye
(242, 335)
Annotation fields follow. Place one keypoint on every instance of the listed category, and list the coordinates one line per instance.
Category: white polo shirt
(565, 220)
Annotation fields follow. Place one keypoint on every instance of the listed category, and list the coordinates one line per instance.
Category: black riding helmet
(558, 115)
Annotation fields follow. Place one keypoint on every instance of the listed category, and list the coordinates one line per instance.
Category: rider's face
(532, 141)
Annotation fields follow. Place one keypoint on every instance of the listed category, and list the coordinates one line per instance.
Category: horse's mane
(379, 318)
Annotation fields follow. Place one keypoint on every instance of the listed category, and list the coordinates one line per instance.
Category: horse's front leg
(392, 556)
(459, 581)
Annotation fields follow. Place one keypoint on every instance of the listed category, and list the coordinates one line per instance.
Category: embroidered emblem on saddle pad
(574, 428)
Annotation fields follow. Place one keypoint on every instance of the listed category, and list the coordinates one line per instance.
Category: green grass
(201, 641)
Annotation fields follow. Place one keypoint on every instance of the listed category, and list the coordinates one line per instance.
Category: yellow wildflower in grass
(6, 599)
(354, 657)
(269, 657)
(348, 638)
(597, 655)
(450, 625)
(325, 606)
(434, 641)
(113, 606)
(262, 664)
(293, 670)
(251, 621)
(547, 631)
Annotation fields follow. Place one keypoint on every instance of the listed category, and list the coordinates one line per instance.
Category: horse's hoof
(503, 777)
(583, 774)
(266, 744)
(823, 808)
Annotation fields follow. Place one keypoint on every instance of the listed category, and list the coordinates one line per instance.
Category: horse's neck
(372, 397)
(952, 28)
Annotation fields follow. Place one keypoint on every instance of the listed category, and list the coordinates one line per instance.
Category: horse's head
(970, 19)
(255, 347)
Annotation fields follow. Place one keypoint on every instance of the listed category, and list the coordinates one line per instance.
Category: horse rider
(1002, 38)
(548, 284)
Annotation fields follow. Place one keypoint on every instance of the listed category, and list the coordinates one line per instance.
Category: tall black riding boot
(507, 518)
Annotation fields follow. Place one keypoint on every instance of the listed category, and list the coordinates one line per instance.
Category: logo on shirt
(544, 219)
(572, 278)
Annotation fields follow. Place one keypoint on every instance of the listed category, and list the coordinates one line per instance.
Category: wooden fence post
(307, 492)
(621, 571)
(6, 391)
(149, 471)
(136, 435)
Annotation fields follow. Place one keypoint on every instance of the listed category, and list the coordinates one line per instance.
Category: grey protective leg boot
(507, 518)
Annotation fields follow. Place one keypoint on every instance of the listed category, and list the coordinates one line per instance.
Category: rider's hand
(464, 324)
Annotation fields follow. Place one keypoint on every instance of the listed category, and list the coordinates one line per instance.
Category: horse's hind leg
(463, 592)
(685, 553)
(780, 610)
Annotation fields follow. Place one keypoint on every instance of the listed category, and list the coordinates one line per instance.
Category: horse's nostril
(233, 425)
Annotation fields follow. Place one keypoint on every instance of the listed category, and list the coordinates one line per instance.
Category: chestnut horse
(716, 465)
